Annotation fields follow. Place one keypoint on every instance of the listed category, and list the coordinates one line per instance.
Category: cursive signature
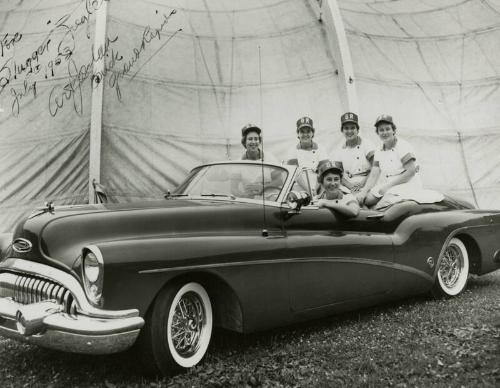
(149, 34)
(76, 77)
(63, 48)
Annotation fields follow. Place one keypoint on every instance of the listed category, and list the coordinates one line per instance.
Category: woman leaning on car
(334, 195)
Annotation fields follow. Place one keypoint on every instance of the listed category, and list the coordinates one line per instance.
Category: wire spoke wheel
(453, 269)
(188, 322)
(451, 266)
(188, 326)
(178, 329)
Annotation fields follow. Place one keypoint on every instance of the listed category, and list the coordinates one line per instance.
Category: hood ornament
(47, 208)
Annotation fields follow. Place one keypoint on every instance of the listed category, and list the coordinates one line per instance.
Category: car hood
(58, 236)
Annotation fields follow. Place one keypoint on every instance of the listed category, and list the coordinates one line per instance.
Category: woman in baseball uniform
(334, 195)
(395, 169)
(306, 153)
(355, 155)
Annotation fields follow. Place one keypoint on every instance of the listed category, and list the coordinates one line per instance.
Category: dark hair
(349, 122)
(333, 170)
(392, 125)
(244, 137)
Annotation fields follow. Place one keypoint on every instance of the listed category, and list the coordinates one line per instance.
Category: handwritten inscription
(148, 36)
(72, 90)
(54, 57)
(18, 95)
(8, 41)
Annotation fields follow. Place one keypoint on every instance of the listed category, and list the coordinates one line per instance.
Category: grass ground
(418, 342)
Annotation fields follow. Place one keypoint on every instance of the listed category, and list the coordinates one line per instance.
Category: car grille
(28, 289)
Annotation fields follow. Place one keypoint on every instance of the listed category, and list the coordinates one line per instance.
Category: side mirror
(296, 199)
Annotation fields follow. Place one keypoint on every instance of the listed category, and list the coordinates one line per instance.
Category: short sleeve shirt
(268, 157)
(306, 158)
(392, 161)
(347, 197)
(356, 160)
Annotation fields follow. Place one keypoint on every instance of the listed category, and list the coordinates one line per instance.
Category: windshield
(236, 180)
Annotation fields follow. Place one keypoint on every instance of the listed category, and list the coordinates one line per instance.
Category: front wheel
(178, 329)
(453, 269)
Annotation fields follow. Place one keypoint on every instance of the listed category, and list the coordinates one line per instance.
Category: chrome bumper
(47, 322)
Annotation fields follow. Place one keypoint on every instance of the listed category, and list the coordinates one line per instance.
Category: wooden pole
(339, 44)
(97, 102)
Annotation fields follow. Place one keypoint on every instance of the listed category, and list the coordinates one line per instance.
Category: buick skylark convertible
(240, 245)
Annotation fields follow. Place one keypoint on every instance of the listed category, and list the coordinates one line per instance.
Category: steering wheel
(271, 192)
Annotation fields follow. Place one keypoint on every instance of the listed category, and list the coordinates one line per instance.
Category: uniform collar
(394, 145)
(314, 146)
(352, 144)
(245, 156)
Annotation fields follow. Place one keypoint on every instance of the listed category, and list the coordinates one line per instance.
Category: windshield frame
(290, 171)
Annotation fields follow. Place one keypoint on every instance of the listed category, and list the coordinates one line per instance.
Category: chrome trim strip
(67, 281)
(355, 260)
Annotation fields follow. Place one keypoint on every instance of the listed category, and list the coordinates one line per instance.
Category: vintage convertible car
(240, 245)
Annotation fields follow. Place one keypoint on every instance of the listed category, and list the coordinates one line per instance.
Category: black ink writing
(19, 94)
(76, 77)
(148, 36)
(8, 41)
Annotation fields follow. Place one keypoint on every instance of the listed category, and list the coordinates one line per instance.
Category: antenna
(265, 232)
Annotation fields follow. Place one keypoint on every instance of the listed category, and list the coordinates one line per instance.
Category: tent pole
(97, 101)
(340, 45)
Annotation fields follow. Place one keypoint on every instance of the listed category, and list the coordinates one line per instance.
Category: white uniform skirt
(411, 190)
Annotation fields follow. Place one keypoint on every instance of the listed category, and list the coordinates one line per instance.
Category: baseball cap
(328, 166)
(349, 117)
(305, 122)
(250, 127)
(384, 118)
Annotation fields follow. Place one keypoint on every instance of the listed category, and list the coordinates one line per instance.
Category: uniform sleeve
(369, 150)
(376, 159)
(291, 157)
(323, 155)
(406, 152)
(337, 156)
(348, 198)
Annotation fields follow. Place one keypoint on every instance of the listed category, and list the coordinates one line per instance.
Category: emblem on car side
(430, 262)
(21, 245)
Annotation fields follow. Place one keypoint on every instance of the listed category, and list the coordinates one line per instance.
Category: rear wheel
(178, 329)
(453, 269)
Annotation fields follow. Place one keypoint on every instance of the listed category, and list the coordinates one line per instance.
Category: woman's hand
(355, 188)
(361, 195)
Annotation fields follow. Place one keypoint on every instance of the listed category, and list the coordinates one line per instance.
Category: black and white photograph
(237, 193)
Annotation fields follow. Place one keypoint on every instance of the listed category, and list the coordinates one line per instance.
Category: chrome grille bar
(30, 289)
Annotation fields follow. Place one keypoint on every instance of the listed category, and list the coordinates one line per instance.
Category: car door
(333, 260)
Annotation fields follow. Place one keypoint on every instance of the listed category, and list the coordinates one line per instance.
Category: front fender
(252, 265)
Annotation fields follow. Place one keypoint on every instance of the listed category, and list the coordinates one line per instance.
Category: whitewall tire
(453, 269)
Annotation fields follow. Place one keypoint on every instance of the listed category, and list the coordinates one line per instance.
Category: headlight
(93, 273)
(91, 267)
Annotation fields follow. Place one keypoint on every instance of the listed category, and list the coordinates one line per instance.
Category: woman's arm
(351, 209)
(410, 170)
(370, 182)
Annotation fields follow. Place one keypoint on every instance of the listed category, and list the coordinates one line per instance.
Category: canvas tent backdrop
(169, 99)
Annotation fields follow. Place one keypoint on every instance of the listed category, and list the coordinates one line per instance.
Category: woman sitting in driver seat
(334, 195)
